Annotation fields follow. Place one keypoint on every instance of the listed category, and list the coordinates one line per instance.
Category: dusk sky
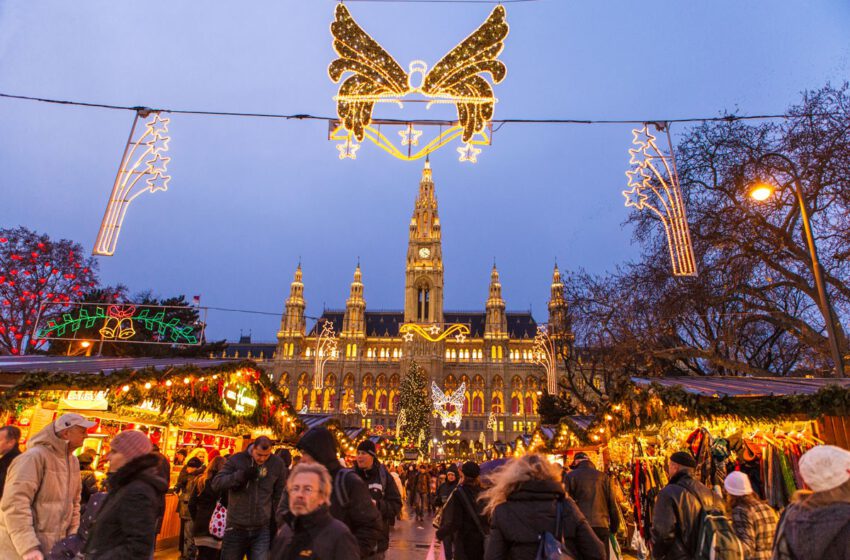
(248, 196)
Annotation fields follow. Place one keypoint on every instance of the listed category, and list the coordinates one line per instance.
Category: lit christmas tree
(415, 402)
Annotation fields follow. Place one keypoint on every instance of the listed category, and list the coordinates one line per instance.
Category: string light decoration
(654, 184)
(434, 333)
(374, 76)
(362, 408)
(143, 169)
(442, 401)
(544, 356)
(326, 348)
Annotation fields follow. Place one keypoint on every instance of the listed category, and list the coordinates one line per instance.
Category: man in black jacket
(592, 492)
(678, 510)
(382, 487)
(9, 449)
(351, 502)
(254, 482)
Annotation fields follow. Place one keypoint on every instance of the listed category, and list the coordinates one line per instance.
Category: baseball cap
(69, 420)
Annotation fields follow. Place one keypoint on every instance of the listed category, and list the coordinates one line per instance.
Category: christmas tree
(415, 402)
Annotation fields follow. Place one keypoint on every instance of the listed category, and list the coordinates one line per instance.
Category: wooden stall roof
(726, 386)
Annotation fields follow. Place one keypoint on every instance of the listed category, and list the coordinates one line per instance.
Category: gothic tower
(354, 321)
(558, 321)
(292, 324)
(496, 323)
(423, 291)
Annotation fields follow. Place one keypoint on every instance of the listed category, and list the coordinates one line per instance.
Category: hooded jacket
(817, 526)
(591, 490)
(126, 525)
(358, 513)
(41, 501)
(5, 461)
(518, 523)
(315, 535)
(675, 522)
(384, 492)
(251, 494)
(445, 489)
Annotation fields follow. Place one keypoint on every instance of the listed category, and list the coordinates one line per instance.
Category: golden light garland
(434, 333)
(143, 169)
(654, 184)
(374, 76)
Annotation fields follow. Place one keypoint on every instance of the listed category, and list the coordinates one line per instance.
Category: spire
(496, 322)
(558, 321)
(292, 324)
(353, 323)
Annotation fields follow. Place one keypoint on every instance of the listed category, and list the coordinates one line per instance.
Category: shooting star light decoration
(143, 169)
(442, 401)
(654, 184)
(326, 348)
(544, 355)
(457, 79)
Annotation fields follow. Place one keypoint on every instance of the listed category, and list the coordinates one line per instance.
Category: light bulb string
(499, 122)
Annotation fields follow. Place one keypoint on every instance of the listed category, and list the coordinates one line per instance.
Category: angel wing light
(374, 76)
(442, 401)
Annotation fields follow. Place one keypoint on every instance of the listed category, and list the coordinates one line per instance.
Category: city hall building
(361, 385)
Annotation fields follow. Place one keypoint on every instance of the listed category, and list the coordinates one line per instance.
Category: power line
(499, 122)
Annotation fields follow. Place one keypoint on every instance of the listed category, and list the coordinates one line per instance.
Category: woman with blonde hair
(523, 503)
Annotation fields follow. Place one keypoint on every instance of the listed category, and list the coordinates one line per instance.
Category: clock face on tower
(424, 253)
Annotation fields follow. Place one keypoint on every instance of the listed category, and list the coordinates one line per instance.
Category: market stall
(187, 407)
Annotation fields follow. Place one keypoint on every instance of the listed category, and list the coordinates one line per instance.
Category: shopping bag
(218, 521)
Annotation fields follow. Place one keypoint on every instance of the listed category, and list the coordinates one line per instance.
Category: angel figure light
(374, 76)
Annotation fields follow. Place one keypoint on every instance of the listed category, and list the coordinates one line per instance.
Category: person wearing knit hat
(817, 523)
(382, 488)
(678, 510)
(128, 519)
(753, 521)
(463, 518)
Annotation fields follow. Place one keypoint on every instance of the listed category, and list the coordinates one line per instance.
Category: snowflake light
(442, 401)
(143, 169)
(654, 184)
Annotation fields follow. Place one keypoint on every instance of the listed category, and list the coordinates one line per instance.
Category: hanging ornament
(373, 76)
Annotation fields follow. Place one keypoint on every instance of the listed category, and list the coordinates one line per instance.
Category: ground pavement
(409, 540)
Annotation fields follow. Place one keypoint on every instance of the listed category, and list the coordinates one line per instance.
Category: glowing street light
(761, 191)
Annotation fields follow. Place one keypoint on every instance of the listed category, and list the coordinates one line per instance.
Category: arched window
(370, 400)
(383, 401)
(423, 304)
(497, 404)
(515, 405)
(529, 404)
(393, 401)
(477, 404)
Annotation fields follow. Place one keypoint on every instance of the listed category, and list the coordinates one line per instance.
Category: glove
(252, 473)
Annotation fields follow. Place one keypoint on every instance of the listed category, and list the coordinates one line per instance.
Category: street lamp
(761, 191)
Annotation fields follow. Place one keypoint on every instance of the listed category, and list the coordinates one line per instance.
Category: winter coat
(531, 510)
(592, 493)
(317, 535)
(125, 527)
(251, 495)
(422, 483)
(675, 522)
(383, 490)
(41, 501)
(358, 513)
(815, 526)
(201, 507)
(754, 522)
(5, 461)
(89, 485)
(459, 525)
(184, 491)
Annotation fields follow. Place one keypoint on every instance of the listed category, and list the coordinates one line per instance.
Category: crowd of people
(265, 504)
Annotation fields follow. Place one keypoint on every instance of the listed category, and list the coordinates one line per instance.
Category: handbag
(218, 521)
(438, 517)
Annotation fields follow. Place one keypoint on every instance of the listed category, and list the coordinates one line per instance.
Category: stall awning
(582, 422)
(65, 364)
(354, 433)
(744, 386)
(315, 420)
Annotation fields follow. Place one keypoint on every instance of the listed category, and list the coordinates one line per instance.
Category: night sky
(248, 197)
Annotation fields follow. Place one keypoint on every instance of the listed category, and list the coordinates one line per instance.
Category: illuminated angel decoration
(654, 184)
(458, 78)
(442, 401)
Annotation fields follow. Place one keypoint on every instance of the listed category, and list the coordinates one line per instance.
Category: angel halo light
(376, 77)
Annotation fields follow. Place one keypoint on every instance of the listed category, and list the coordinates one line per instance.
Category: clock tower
(423, 290)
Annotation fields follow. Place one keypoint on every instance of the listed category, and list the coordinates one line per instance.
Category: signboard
(84, 400)
(239, 398)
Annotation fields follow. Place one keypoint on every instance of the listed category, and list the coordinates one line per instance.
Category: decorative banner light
(434, 333)
(326, 348)
(654, 184)
(544, 355)
(376, 77)
(361, 408)
(143, 169)
(442, 401)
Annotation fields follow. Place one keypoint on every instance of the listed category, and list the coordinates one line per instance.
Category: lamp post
(762, 191)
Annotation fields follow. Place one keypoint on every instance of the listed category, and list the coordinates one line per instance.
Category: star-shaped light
(468, 152)
(635, 197)
(348, 149)
(434, 330)
(158, 164)
(158, 126)
(460, 337)
(159, 144)
(410, 136)
(408, 337)
(158, 182)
